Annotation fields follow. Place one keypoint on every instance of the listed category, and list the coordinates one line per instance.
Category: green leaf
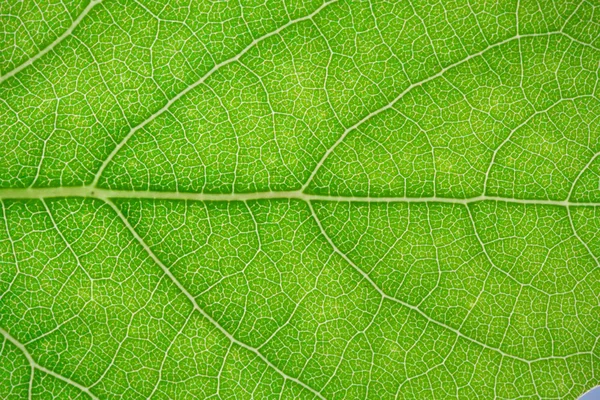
(285, 199)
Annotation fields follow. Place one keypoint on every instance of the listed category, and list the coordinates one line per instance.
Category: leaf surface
(283, 199)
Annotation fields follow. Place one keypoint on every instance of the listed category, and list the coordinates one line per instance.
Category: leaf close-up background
(299, 199)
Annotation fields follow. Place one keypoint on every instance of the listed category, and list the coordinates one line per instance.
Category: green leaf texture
(299, 199)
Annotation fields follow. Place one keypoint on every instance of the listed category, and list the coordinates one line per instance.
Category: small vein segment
(35, 365)
(52, 45)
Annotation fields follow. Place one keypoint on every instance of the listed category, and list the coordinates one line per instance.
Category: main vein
(99, 193)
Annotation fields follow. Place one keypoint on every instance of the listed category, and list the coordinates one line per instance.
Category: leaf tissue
(283, 199)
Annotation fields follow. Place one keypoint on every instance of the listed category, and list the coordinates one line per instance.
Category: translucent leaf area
(283, 199)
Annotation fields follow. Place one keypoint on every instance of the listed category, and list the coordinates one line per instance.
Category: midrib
(98, 193)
